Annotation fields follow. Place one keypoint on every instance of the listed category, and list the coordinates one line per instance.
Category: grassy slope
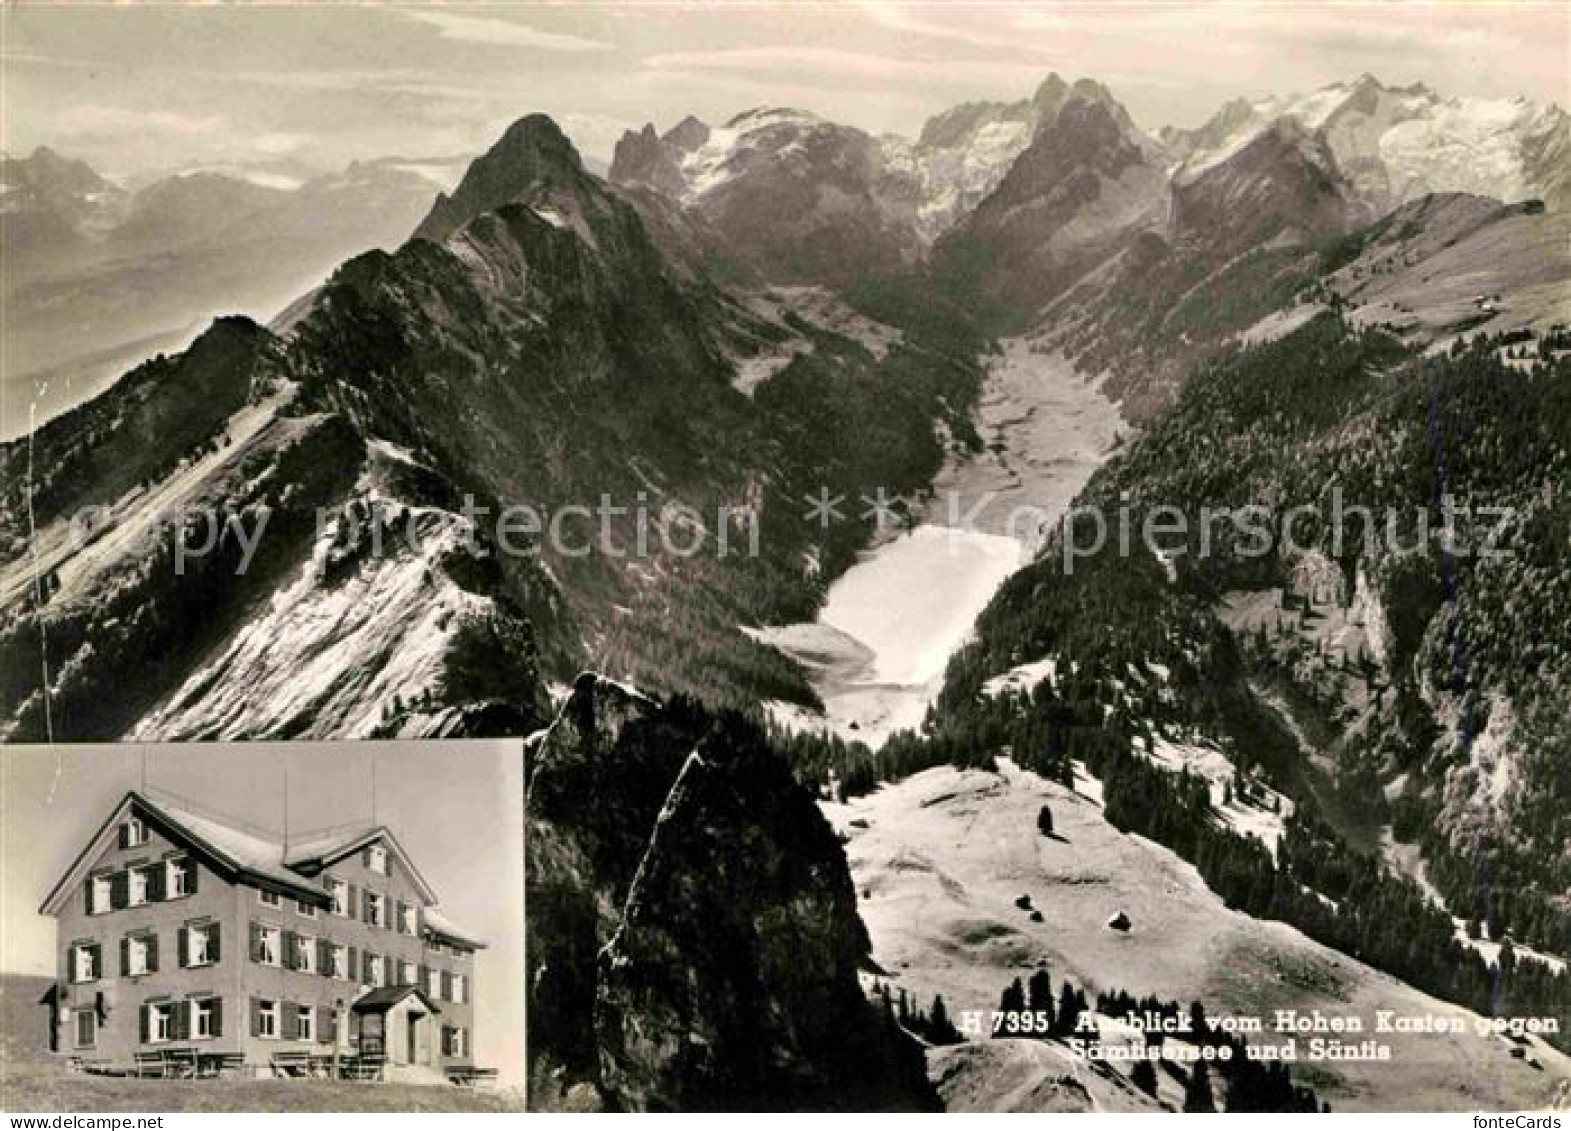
(947, 852)
(34, 1080)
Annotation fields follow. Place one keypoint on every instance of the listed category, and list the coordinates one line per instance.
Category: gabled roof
(438, 924)
(233, 852)
(311, 856)
(384, 996)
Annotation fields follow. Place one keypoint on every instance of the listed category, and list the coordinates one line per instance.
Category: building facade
(177, 929)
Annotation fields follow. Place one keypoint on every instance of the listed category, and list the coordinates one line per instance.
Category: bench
(211, 1065)
(291, 1064)
(180, 1064)
(92, 1066)
(148, 1064)
(469, 1076)
(367, 1066)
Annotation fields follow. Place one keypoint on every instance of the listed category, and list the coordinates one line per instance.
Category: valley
(876, 654)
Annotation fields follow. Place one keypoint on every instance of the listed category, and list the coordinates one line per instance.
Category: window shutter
(125, 842)
(256, 1017)
(180, 1020)
(256, 942)
(365, 967)
(87, 895)
(188, 865)
(183, 947)
(152, 954)
(290, 1019)
(425, 978)
(447, 985)
(213, 931)
(365, 856)
(119, 891)
(354, 895)
(125, 956)
(291, 951)
(216, 1005)
(157, 885)
(95, 955)
(146, 1023)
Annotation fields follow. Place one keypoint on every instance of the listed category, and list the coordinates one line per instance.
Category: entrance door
(419, 1038)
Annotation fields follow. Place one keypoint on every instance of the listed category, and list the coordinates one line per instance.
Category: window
(268, 898)
(306, 909)
(86, 964)
(177, 882)
(136, 949)
(204, 1018)
(406, 919)
(455, 1041)
(375, 971)
(201, 944)
(266, 945)
(376, 859)
(99, 901)
(133, 832)
(305, 1023)
(137, 879)
(406, 973)
(340, 960)
(161, 1022)
(267, 1019)
(305, 954)
(340, 893)
(458, 988)
(86, 1023)
(375, 909)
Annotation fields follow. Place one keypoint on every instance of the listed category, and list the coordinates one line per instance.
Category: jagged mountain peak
(688, 134)
(1395, 143)
(1285, 179)
(533, 157)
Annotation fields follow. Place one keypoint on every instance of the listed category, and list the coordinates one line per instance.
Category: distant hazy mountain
(52, 206)
(97, 278)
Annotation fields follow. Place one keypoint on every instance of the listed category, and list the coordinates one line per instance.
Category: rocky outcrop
(692, 935)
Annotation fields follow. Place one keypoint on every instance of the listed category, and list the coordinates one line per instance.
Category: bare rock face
(692, 939)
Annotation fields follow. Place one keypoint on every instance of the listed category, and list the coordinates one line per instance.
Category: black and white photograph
(269, 926)
(849, 555)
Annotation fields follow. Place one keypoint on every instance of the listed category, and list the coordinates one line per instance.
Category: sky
(141, 89)
(456, 807)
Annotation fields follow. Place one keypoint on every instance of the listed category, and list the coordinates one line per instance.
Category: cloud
(499, 33)
(896, 18)
(278, 143)
(101, 121)
(811, 60)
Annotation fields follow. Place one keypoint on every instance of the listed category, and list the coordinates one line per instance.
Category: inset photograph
(263, 927)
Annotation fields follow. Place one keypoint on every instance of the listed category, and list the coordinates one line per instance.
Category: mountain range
(98, 277)
(291, 530)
